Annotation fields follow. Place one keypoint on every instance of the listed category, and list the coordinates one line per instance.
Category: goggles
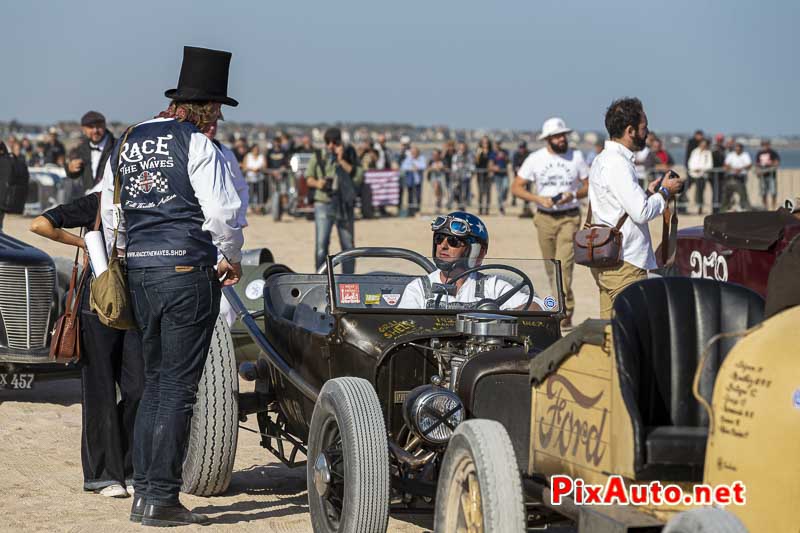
(457, 226)
(452, 240)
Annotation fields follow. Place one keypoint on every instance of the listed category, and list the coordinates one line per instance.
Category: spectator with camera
(86, 163)
(616, 199)
(336, 178)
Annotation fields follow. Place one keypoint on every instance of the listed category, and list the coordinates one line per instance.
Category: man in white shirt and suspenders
(560, 177)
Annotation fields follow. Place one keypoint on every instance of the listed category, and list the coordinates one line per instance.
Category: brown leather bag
(65, 342)
(597, 245)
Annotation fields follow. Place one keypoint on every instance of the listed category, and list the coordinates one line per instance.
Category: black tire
(211, 451)
(480, 465)
(705, 520)
(348, 431)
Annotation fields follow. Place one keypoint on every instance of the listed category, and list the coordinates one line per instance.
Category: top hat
(204, 77)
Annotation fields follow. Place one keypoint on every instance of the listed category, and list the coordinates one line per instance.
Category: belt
(574, 212)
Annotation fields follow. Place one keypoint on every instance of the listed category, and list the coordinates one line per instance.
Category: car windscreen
(497, 284)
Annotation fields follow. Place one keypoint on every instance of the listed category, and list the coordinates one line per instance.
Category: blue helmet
(468, 227)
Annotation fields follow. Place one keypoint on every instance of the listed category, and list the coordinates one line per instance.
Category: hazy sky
(718, 65)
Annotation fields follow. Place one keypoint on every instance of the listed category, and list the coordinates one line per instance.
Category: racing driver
(460, 242)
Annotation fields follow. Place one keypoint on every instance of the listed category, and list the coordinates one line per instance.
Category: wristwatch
(664, 192)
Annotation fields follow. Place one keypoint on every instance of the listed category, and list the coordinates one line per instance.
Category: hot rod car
(684, 388)
(362, 392)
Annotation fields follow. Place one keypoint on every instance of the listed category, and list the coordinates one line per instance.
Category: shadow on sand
(286, 488)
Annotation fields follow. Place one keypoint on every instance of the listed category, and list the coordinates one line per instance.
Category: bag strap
(669, 233)
(117, 188)
(588, 222)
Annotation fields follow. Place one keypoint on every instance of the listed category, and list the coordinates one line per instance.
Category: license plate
(16, 381)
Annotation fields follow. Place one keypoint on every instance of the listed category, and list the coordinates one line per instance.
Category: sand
(40, 468)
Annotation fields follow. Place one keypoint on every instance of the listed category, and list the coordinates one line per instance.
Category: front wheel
(479, 485)
(348, 459)
(211, 451)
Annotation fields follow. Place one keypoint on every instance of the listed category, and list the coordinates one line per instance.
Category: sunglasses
(458, 226)
(452, 240)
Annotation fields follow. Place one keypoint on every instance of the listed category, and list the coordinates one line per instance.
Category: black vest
(162, 215)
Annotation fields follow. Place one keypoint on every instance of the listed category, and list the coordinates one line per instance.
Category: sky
(721, 66)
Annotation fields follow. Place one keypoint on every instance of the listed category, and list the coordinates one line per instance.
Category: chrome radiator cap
(486, 325)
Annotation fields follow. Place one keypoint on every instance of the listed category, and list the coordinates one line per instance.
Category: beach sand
(40, 465)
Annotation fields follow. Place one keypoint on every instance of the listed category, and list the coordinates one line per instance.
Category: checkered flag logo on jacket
(146, 182)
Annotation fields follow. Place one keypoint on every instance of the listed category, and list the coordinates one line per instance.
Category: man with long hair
(177, 208)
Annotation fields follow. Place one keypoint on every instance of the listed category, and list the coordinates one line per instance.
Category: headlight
(433, 413)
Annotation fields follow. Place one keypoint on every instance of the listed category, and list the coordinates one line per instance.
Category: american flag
(385, 186)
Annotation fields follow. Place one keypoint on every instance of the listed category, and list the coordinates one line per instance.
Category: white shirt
(213, 187)
(238, 182)
(493, 288)
(638, 159)
(554, 174)
(738, 162)
(96, 152)
(700, 162)
(614, 191)
(254, 163)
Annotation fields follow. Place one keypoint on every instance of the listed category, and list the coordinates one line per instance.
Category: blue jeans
(176, 312)
(325, 216)
(501, 184)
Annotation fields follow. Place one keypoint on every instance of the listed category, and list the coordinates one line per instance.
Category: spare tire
(210, 454)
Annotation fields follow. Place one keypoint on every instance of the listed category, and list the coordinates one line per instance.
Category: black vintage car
(370, 392)
(30, 301)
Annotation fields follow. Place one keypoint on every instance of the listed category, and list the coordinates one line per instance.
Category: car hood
(16, 251)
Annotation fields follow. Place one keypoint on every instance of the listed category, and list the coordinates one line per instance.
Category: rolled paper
(96, 246)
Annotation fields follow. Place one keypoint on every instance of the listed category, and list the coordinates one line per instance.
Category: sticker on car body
(254, 289)
(349, 293)
(391, 299)
(549, 302)
(372, 299)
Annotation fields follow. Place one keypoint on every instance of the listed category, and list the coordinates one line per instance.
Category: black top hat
(204, 77)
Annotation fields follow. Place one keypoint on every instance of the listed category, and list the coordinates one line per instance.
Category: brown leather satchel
(65, 342)
(597, 245)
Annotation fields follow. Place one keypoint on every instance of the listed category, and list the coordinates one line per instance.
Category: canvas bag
(110, 297)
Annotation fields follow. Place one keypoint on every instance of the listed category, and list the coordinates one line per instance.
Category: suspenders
(431, 301)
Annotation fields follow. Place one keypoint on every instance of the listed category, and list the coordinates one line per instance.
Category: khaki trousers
(555, 240)
(612, 281)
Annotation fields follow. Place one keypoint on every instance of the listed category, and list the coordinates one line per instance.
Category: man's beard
(639, 142)
(558, 148)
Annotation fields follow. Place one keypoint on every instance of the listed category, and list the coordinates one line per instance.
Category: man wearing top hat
(178, 209)
(560, 175)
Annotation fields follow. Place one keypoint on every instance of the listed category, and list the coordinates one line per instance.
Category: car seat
(661, 328)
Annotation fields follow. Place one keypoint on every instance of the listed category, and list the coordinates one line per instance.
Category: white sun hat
(553, 126)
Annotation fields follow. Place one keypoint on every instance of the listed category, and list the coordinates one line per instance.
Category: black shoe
(171, 515)
(137, 509)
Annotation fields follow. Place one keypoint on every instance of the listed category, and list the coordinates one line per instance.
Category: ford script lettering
(566, 430)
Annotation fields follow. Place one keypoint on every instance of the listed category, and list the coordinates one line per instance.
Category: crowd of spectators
(469, 173)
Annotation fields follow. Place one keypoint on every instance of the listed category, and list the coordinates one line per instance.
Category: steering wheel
(489, 304)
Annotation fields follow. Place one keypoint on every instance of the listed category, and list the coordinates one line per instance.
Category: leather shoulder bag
(598, 245)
